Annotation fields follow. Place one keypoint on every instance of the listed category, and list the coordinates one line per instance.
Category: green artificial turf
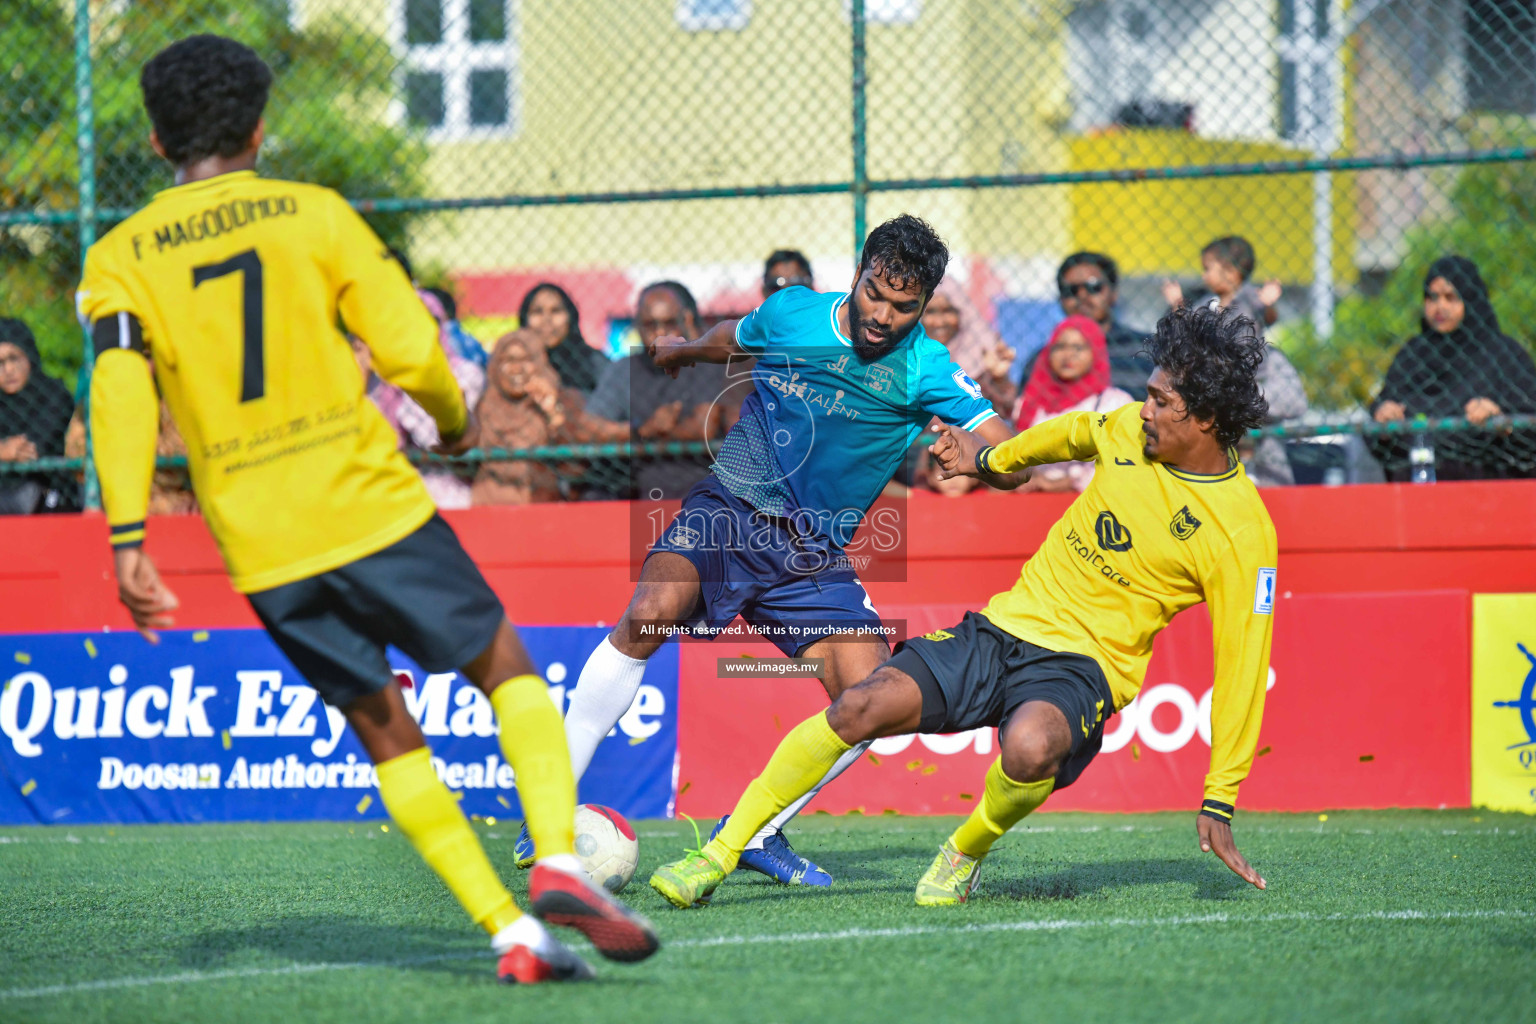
(1389, 916)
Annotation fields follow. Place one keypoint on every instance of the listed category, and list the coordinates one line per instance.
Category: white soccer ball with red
(606, 845)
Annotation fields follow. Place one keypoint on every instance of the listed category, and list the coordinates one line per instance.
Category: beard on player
(861, 331)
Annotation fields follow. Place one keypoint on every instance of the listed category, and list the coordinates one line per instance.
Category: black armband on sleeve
(1218, 810)
(984, 459)
(128, 535)
(119, 330)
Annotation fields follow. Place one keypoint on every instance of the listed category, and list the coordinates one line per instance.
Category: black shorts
(422, 594)
(974, 675)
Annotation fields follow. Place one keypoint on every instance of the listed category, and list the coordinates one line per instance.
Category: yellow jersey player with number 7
(226, 291)
(1169, 521)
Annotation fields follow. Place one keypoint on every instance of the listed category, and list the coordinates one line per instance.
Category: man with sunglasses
(786, 268)
(1088, 284)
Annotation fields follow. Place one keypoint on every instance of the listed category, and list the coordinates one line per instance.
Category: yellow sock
(802, 760)
(533, 742)
(430, 818)
(1003, 805)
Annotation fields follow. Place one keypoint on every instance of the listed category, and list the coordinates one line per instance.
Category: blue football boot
(523, 848)
(778, 860)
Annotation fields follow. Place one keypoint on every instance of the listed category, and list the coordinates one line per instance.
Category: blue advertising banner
(216, 725)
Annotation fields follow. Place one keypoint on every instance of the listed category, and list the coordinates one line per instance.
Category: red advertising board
(1368, 708)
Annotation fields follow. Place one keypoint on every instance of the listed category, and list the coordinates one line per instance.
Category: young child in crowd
(1225, 266)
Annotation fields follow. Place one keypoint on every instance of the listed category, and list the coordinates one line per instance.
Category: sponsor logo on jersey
(1095, 561)
(879, 378)
(1264, 593)
(839, 366)
(1184, 525)
(685, 538)
(1112, 535)
(939, 634)
(967, 385)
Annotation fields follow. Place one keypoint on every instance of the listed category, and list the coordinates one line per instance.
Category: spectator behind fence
(692, 406)
(170, 488)
(550, 314)
(454, 337)
(1072, 374)
(952, 320)
(1088, 284)
(786, 268)
(416, 427)
(1226, 264)
(1459, 364)
(34, 416)
(525, 407)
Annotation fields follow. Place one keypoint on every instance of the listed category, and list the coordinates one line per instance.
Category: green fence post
(860, 171)
(85, 140)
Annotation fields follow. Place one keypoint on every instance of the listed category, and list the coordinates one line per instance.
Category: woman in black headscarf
(34, 416)
(548, 312)
(1460, 364)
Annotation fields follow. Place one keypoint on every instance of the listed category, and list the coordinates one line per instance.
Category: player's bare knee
(1030, 756)
(853, 715)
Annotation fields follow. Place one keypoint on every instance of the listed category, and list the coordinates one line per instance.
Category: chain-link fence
(1348, 145)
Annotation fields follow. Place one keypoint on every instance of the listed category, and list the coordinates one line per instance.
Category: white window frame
(687, 16)
(454, 59)
(886, 12)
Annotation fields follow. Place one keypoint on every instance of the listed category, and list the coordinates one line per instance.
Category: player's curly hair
(1212, 357)
(906, 248)
(204, 95)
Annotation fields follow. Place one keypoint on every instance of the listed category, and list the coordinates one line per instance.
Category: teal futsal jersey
(823, 431)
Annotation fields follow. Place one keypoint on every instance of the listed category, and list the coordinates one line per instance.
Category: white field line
(843, 935)
(370, 831)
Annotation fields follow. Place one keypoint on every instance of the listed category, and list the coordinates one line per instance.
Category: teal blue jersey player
(826, 427)
(841, 387)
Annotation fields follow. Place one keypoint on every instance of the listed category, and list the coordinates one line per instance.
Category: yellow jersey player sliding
(226, 292)
(1170, 520)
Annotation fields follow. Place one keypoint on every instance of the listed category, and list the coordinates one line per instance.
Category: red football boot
(572, 900)
(521, 965)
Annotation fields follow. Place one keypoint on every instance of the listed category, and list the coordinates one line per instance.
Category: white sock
(567, 862)
(525, 931)
(843, 763)
(607, 687)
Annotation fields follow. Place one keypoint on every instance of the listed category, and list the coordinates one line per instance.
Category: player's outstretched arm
(962, 452)
(1216, 837)
(992, 433)
(716, 345)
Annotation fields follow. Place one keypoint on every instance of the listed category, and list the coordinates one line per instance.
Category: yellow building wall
(620, 97)
(617, 96)
(1157, 227)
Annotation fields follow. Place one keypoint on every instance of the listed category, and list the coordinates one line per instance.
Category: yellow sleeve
(125, 420)
(1066, 438)
(378, 304)
(1240, 595)
(124, 410)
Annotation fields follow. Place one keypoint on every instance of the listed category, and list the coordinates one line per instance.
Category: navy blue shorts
(421, 594)
(793, 590)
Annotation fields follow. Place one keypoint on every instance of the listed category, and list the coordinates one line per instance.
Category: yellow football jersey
(235, 288)
(1141, 544)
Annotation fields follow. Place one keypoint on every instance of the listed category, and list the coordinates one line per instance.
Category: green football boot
(950, 879)
(690, 881)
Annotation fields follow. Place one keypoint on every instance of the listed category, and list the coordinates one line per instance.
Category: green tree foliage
(1492, 208)
(328, 121)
